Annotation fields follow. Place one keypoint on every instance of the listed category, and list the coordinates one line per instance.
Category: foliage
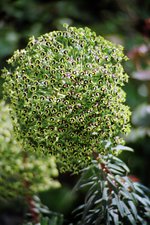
(124, 22)
(120, 21)
(46, 217)
(21, 173)
(47, 221)
(66, 96)
(112, 198)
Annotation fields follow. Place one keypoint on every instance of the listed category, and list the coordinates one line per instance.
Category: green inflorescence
(66, 95)
(21, 173)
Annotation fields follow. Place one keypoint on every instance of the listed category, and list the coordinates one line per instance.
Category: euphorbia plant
(66, 98)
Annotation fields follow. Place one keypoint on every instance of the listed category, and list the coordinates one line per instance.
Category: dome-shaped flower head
(66, 96)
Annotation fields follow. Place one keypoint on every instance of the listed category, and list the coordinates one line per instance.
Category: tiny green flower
(66, 95)
(20, 172)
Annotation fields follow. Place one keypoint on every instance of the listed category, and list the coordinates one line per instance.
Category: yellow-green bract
(66, 96)
(20, 172)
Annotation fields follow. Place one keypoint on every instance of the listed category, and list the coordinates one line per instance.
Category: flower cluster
(66, 96)
(21, 172)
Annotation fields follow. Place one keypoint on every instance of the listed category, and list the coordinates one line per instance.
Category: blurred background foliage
(125, 22)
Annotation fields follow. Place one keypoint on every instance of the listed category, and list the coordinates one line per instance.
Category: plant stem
(28, 197)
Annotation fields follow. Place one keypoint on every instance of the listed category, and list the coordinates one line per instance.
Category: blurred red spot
(134, 178)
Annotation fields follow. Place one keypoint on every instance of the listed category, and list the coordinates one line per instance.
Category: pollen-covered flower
(66, 95)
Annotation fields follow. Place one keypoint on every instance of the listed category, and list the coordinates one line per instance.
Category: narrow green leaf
(115, 217)
(143, 201)
(143, 222)
(78, 208)
(123, 148)
(128, 214)
(126, 194)
(116, 202)
(116, 172)
(98, 201)
(133, 208)
(141, 186)
(105, 194)
(116, 167)
(139, 190)
(86, 184)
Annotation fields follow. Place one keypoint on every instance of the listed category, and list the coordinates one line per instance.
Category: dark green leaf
(105, 195)
(144, 201)
(115, 217)
(133, 208)
(117, 203)
(128, 214)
